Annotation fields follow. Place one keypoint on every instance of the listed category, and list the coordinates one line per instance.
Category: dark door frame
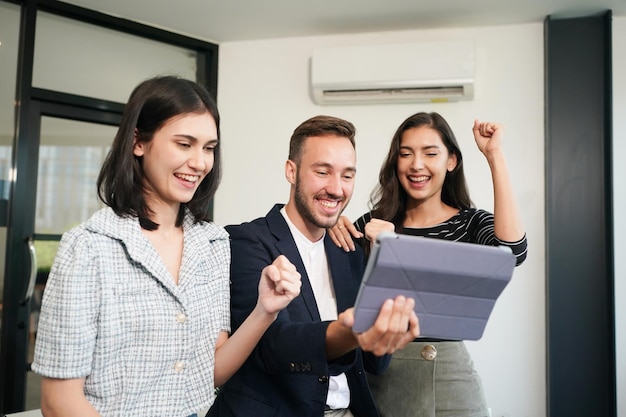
(580, 310)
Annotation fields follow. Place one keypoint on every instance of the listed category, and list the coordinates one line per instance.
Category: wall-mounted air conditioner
(394, 73)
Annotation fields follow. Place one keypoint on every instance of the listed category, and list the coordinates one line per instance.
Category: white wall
(619, 202)
(263, 96)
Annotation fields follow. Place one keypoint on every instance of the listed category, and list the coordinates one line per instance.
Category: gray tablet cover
(455, 284)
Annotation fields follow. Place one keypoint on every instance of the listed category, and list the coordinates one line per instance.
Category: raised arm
(292, 334)
(279, 284)
(508, 225)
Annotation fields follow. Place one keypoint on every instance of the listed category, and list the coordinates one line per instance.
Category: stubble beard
(307, 212)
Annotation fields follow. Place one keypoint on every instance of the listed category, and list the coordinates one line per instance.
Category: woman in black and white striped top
(422, 191)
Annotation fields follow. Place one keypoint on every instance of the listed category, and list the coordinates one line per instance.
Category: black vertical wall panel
(579, 258)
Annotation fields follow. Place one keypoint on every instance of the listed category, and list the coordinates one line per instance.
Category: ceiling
(235, 20)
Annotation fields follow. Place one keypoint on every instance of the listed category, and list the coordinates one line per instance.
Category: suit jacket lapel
(287, 246)
(345, 285)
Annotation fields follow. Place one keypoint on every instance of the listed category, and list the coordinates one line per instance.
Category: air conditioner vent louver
(395, 94)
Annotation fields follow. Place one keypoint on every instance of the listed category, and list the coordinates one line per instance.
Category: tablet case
(455, 284)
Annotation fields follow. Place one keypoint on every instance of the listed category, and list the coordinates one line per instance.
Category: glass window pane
(88, 60)
(45, 250)
(70, 157)
(9, 39)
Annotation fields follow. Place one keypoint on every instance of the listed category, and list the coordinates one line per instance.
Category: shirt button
(429, 352)
(179, 366)
(181, 317)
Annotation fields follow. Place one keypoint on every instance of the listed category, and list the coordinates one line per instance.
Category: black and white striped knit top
(469, 225)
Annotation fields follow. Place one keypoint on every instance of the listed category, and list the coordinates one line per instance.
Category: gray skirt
(430, 379)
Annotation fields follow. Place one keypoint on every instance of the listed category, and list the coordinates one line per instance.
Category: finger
(401, 327)
(349, 233)
(410, 335)
(279, 287)
(380, 225)
(375, 226)
(270, 278)
(344, 236)
(496, 129)
(386, 310)
(344, 242)
(353, 231)
(484, 129)
(407, 323)
(373, 232)
(284, 264)
(414, 326)
(284, 275)
(489, 129)
(335, 236)
(398, 321)
(290, 289)
(407, 311)
(382, 321)
(376, 339)
(272, 272)
(476, 127)
(346, 318)
(288, 271)
(291, 278)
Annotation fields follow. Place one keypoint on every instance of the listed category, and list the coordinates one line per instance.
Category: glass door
(55, 190)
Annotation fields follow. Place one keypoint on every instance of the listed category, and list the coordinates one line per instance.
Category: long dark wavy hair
(151, 104)
(389, 199)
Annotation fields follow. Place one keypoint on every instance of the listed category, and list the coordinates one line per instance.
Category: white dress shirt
(314, 258)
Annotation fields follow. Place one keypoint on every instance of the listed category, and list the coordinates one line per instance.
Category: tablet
(455, 284)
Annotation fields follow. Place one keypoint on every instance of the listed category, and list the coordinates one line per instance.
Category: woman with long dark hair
(422, 191)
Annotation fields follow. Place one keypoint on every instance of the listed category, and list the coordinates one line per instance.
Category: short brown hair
(319, 126)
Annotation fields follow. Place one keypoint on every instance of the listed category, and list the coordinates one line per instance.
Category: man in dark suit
(310, 363)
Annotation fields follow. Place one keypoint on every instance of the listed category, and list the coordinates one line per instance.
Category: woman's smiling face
(423, 162)
(177, 158)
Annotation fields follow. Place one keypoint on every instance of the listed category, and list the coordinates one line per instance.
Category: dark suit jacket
(287, 374)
